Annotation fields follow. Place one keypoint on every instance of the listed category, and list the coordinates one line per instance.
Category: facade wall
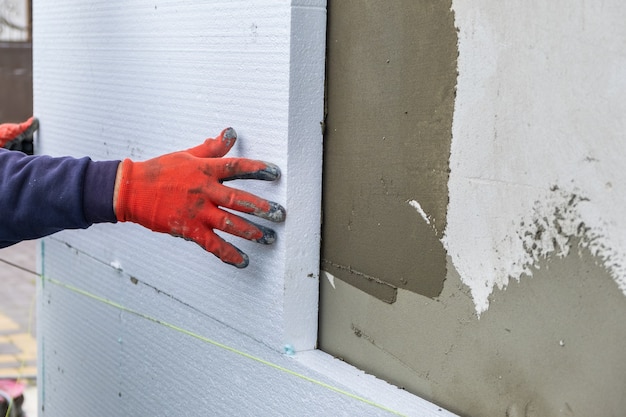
(529, 321)
(516, 191)
(136, 323)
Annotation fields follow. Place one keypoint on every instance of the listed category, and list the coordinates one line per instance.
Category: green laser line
(220, 345)
(204, 339)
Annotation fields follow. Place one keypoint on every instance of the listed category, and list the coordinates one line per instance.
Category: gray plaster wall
(391, 74)
(525, 312)
(550, 345)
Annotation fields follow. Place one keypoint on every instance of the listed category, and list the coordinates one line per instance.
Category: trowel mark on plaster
(552, 228)
(549, 230)
(361, 334)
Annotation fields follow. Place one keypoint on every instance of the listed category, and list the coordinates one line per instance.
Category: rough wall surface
(140, 324)
(530, 319)
(541, 162)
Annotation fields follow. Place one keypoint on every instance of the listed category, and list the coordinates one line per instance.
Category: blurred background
(18, 351)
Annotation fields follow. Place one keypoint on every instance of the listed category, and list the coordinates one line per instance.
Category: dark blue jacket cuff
(98, 191)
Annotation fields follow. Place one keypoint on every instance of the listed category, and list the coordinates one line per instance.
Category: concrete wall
(136, 323)
(529, 321)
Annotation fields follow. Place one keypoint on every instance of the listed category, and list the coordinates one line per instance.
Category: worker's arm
(180, 193)
(40, 195)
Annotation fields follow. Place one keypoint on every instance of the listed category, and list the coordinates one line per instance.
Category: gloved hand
(19, 136)
(181, 194)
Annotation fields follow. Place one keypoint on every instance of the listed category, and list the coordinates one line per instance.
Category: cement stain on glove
(19, 136)
(183, 194)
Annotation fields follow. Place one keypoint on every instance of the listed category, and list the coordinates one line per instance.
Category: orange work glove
(181, 194)
(19, 136)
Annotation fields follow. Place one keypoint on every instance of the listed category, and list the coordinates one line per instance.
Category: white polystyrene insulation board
(115, 80)
(124, 355)
(538, 139)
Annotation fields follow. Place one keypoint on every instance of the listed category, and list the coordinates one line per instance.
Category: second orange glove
(19, 136)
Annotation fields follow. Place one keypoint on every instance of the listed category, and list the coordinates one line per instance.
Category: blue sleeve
(41, 195)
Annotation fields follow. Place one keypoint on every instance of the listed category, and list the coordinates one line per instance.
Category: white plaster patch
(420, 210)
(538, 142)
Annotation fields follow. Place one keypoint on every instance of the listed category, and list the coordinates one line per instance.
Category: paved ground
(18, 346)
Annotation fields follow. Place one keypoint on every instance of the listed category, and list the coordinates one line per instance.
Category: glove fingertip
(229, 133)
(244, 262)
(34, 123)
(215, 147)
(270, 173)
(276, 213)
(269, 235)
(227, 138)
